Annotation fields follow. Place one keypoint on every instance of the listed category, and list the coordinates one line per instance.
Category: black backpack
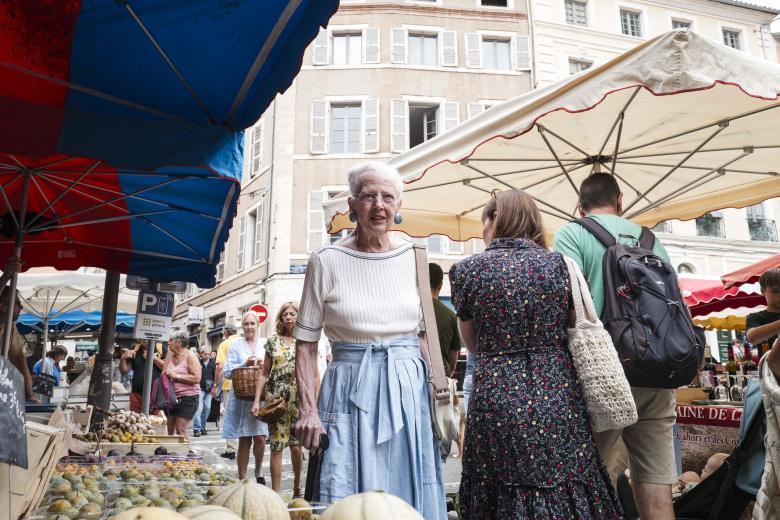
(645, 314)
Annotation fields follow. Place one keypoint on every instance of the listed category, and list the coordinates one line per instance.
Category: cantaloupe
(251, 501)
(373, 505)
(149, 513)
(210, 513)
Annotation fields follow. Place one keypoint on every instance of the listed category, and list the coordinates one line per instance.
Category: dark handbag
(274, 409)
(312, 489)
(718, 497)
(164, 395)
(44, 384)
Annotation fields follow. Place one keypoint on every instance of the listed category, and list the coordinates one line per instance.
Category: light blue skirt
(239, 421)
(374, 407)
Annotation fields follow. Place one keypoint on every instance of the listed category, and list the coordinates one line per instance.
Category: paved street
(213, 444)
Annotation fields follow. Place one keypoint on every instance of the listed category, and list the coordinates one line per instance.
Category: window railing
(710, 226)
(762, 229)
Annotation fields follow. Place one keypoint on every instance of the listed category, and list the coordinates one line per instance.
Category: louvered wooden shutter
(319, 126)
(399, 114)
(473, 50)
(449, 49)
(371, 45)
(321, 52)
(371, 125)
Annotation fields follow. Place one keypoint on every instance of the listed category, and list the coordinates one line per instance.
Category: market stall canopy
(714, 307)
(686, 124)
(72, 322)
(66, 291)
(142, 84)
(121, 136)
(750, 273)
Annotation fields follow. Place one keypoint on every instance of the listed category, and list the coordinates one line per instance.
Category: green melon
(149, 513)
(374, 505)
(210, 513)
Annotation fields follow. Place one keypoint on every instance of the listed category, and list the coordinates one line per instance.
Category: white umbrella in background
(686, 124)
(48, 295)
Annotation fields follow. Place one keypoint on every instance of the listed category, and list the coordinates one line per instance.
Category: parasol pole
(100, 382)
(46, 324)
(9, 319)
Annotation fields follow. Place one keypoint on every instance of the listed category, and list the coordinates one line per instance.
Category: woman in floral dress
(279, 373)
(529, 450)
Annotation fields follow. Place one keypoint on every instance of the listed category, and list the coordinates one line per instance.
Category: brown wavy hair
(282, 310)
(515, 215)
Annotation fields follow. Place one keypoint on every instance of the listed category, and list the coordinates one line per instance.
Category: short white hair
(356, 173)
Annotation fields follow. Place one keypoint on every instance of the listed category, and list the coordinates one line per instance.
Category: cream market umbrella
(686, 124)
(49, 295)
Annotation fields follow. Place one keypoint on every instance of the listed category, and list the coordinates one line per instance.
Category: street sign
(154, 315)
(135, 282)
(195, 315)
(261, 311)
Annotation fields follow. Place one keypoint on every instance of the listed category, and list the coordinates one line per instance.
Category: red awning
(705, 297)
(750, 273)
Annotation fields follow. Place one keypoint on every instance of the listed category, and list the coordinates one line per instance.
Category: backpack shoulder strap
(597, 230)
(646, 239)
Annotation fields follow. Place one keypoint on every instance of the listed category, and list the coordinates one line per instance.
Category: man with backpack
(650, 441)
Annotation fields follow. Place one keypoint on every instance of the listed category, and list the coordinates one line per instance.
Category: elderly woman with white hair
(373, 401)
(239, 422)
(183, 369)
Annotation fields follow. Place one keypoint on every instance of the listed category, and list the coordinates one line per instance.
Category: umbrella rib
(515, 159)
(552, 151)
(100, 220)
(53, 180)
(721, 126)
(141, 252)
(122, 197)
(152, 201)
(222, 220)
(93, 92)
(164, 231)
(720, 170)
(617, 141)
(685, 167)
(61, 194)
(8, 202)
(574, 146)
(265, 50)
(636, 191)
(620, 118)
(469, 179)
(720, 122)
(170, 63)
(500, 181)
(29, 226)
(466, 212)
(728, 149)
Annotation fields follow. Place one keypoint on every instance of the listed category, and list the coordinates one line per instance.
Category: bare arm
(308, 427)
(468, 334)
(217, 380)
(453, 358)
(261, 382)
(764, 332)
(124, 366)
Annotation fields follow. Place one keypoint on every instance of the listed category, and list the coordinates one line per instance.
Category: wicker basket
(245, 382)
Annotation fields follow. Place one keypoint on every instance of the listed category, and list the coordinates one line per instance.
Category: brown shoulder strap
(429, 318)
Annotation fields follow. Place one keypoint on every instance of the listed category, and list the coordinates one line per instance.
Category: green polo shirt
(580, 245)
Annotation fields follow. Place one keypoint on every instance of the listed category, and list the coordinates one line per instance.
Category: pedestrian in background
(652, 477)
(373, 402)
(207, 371)
(529, 451)
(449, 338)
(183, 369)
(278, 379)
(134, 360)
(240, 423)
(50, 365)
(222, 385)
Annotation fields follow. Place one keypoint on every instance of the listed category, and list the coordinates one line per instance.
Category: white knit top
(359, 297)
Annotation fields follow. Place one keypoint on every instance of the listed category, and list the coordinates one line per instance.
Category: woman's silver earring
(353, 216)
(398, 218)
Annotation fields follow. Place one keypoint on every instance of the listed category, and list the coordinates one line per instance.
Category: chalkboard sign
(13, 448)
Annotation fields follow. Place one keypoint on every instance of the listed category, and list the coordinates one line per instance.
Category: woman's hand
(255, 407)
(251, 361)
(308, 428)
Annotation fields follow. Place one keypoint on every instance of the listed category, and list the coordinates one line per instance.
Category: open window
(414, 122)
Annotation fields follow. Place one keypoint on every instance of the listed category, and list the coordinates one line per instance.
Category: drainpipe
(270, 193)
(763, 46)
(532, 38)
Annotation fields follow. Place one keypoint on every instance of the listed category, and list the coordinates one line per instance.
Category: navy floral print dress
(529, 450)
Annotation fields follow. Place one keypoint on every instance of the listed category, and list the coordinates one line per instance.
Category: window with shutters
(475, 109)
(318, 235)
(221, 265)
(257, 149)
(576, 12)
(254, 232)
(496, 54)
(732, 39)
(417, 120)
(241, 244)
(347, 48)
(346, 128)
(423, 123)
(631, 23)
(423, 49)
(681, 24)
(576, 66)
